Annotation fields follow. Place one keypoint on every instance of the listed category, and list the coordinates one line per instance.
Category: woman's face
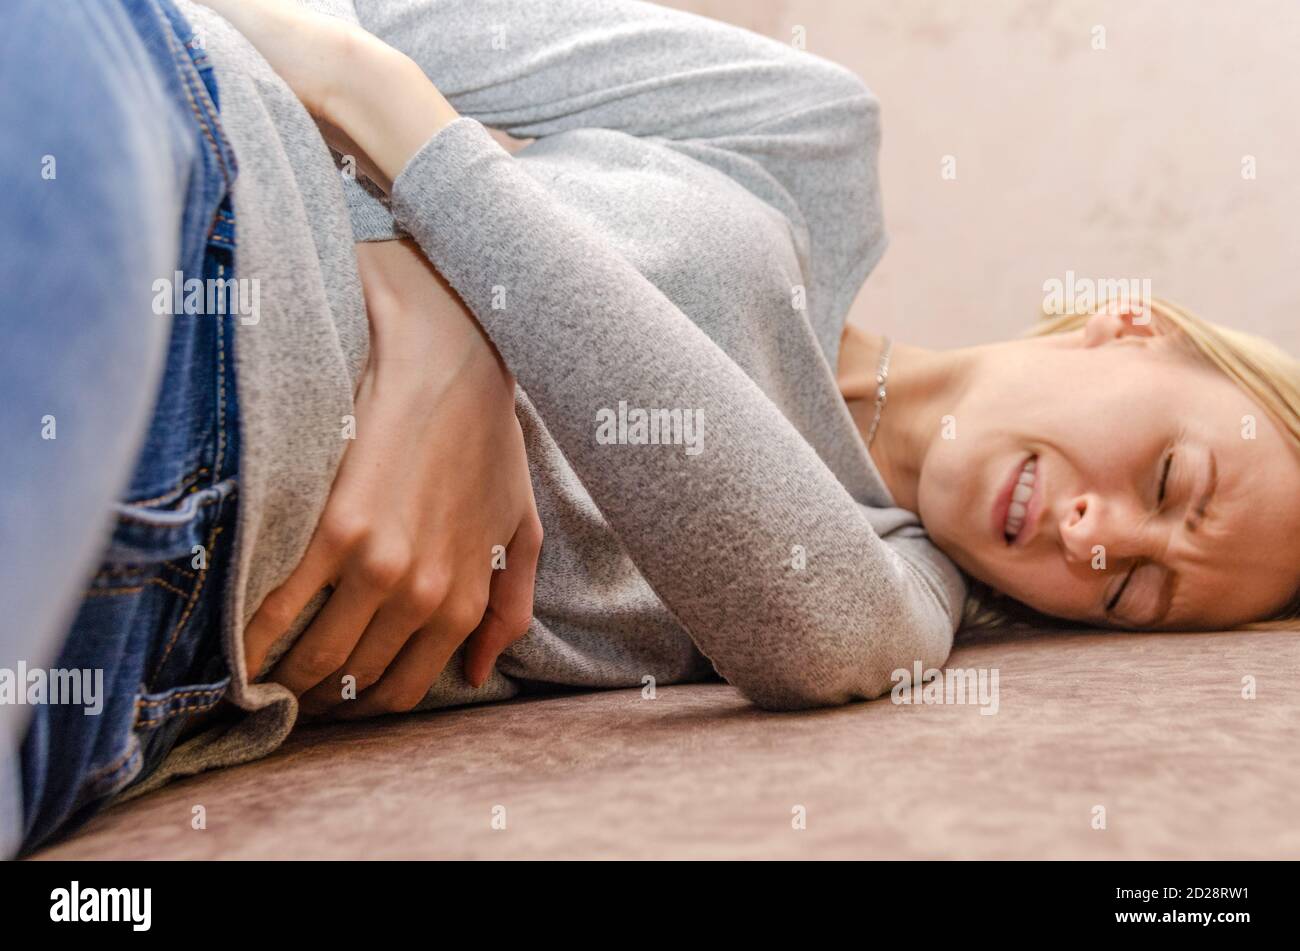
(1153, 492)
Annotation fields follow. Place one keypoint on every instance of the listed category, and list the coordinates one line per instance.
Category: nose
(1091, 526)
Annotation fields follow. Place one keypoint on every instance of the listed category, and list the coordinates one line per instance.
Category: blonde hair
(1266, 373)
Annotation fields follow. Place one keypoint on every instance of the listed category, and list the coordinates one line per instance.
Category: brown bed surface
(1152, 726)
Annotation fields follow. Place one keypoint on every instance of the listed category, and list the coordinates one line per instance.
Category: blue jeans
(120, 421)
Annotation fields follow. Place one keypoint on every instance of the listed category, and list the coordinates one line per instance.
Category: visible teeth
(1020, 496)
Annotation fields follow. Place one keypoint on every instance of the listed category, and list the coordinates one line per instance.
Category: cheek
(954, 489)
(1051, 589)
(949, 508)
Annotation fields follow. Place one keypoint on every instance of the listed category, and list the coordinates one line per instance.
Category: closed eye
(1166, 466)
(1164, 478)
(1114, 601)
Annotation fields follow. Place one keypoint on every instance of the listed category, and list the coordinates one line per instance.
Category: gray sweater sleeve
(583, 330)
(760, 111)
(712, 532)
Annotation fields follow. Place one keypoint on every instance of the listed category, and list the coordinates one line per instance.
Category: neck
(923, 387)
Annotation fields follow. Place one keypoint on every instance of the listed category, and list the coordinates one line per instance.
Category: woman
(680, 245)
(1159, 494)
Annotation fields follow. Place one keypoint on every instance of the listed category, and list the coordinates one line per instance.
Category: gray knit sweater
(685, 235)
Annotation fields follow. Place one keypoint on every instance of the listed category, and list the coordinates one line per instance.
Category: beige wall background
(1122, 162)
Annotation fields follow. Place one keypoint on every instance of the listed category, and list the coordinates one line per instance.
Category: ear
(1117, 321)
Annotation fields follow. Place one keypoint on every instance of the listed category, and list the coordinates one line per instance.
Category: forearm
(799, 132)
(715, 532)
(388, 107)
(348, 79)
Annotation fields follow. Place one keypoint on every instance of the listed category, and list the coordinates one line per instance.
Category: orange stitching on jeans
(117, 571)
(167, 586)
(213, 696)
(179, 570)
(210, 109)
(120, 570)
(151, 721)
(189, 608)
(141, 702)
(203, 118)
(135, 589)
(182, 484)
(107, 592)
(221, 386)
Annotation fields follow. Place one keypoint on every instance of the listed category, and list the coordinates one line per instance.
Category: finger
(510, 606)
(280, 608)
(329, 640)
(486, 644)
(389, 630)
(408, 679)
(322, 698)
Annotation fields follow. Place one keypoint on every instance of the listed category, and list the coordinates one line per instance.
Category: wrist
(384, 102)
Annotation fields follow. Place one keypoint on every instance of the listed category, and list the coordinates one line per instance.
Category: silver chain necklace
(882, 378)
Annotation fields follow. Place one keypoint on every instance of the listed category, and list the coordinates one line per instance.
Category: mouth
(1018, 505)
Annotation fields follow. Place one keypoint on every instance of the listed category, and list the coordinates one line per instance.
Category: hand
(436, 478)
